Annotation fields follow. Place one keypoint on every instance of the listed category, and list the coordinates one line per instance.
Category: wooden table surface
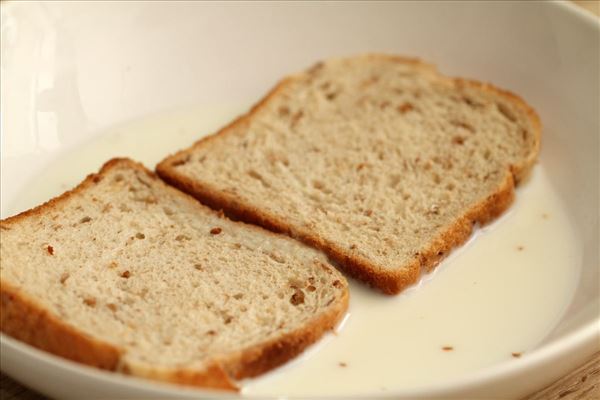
(581, 384)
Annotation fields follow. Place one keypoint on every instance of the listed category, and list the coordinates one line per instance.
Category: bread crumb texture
(381, 162)
(142, 268)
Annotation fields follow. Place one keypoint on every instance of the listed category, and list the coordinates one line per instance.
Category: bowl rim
(582, 339)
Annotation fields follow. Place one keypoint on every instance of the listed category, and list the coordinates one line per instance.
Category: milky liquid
(499, 294)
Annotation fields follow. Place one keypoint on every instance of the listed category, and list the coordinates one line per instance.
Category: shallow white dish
(72, 70)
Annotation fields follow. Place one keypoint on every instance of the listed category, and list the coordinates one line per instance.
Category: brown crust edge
(389, 282)
(24, 319)
(261, 358)
(29, 322)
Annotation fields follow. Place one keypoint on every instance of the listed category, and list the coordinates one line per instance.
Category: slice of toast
(379, 161)
(128, 274)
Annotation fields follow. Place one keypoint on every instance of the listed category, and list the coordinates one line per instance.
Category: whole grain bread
(380, 161)
(128, 274)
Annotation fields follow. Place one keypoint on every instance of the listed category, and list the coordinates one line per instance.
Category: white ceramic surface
(71, 70)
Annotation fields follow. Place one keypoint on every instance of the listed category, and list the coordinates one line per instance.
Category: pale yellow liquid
(499, 294)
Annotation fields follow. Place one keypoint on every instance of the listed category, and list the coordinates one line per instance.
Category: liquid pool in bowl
(491, 301)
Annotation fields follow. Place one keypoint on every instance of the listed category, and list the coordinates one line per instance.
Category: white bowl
(72, 69)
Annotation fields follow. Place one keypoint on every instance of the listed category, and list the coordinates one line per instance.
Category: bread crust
(212, 376)
(24, 319)
(265, 356)
(389, 282)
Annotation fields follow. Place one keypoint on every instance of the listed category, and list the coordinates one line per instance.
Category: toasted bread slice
(128, 274)
(380, 161)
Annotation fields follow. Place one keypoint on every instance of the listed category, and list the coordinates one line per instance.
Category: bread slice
(128, 274)
(379, 161)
